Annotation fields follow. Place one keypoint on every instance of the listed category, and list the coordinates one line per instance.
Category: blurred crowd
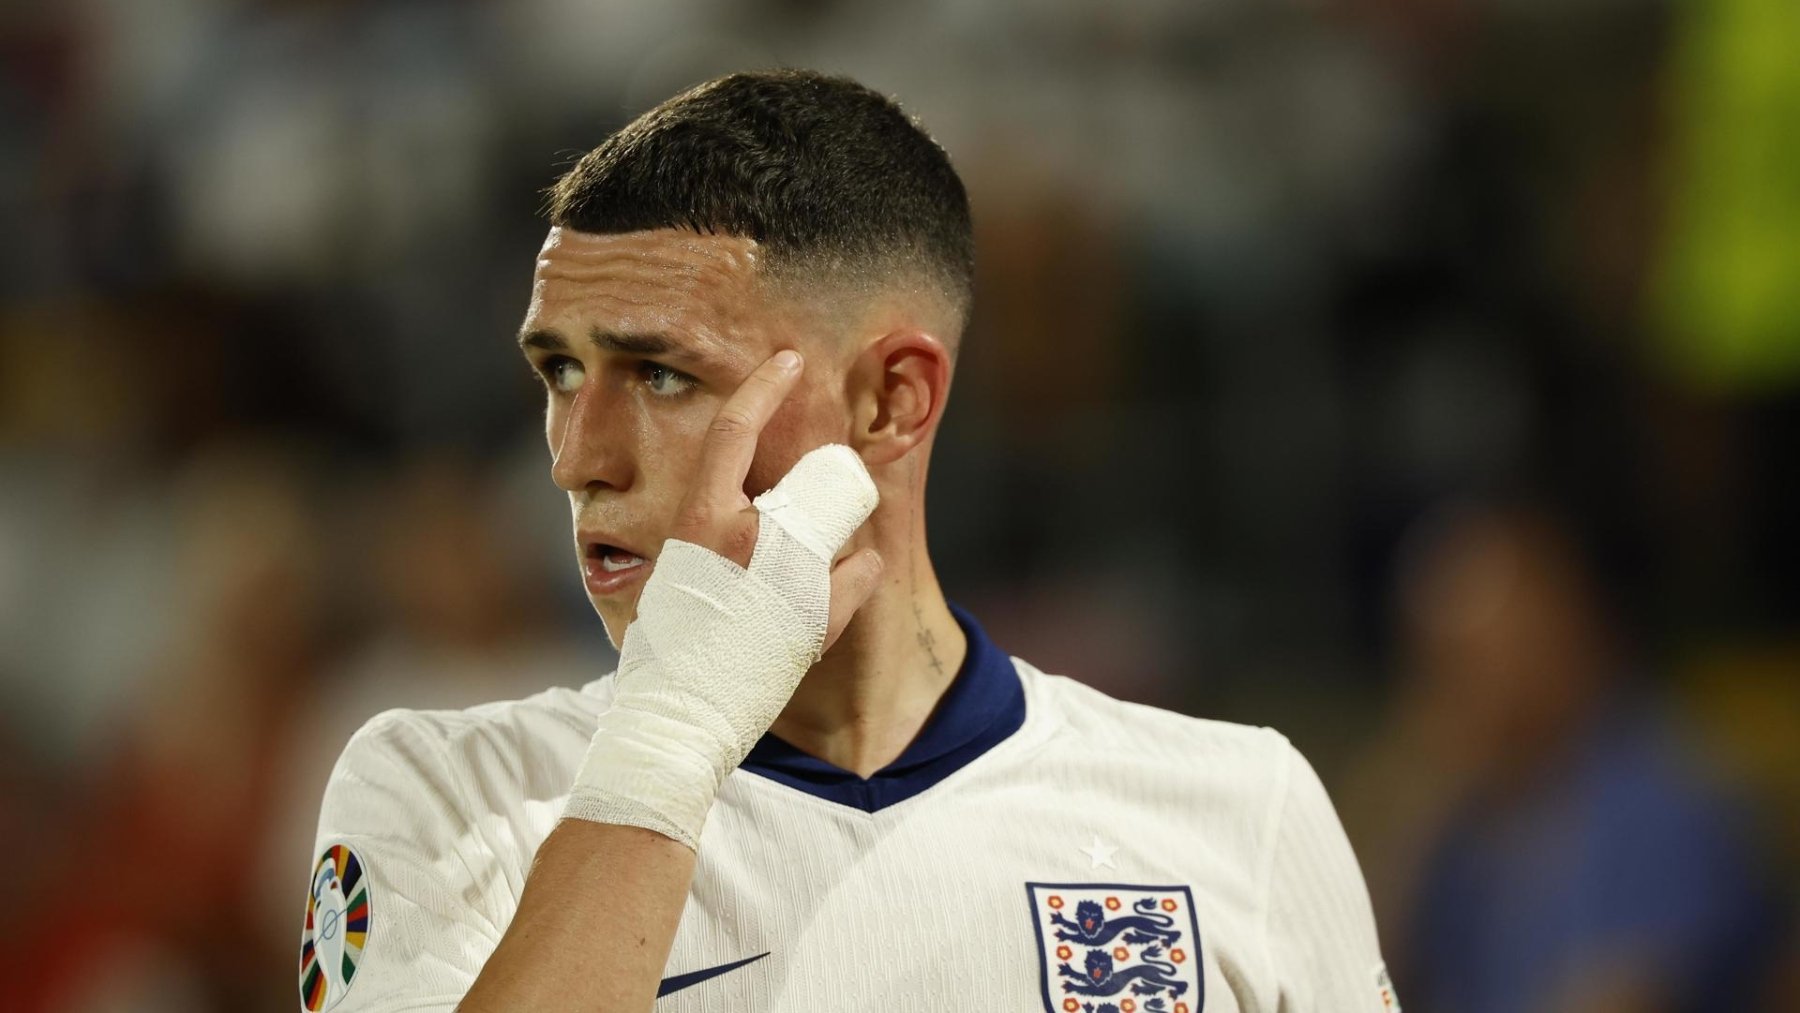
(1419, 377)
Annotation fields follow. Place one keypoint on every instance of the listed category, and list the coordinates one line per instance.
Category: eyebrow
(624, 344)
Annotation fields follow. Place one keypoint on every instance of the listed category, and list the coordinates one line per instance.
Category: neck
(869, 696)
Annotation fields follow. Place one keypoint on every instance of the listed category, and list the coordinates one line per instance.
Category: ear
(898, 386)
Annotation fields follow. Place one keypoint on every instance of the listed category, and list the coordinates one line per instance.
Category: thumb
(853, 581)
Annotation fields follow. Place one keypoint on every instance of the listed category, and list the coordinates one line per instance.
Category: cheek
(795, 429)
(677, 438)
(556, 416)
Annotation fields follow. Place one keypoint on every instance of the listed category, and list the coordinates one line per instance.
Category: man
(812, 784)
(1545, 827)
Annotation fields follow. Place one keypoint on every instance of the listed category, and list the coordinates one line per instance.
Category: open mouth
(614, 559)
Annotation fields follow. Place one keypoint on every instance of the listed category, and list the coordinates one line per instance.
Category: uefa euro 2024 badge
(1117, 948)
(337, 926)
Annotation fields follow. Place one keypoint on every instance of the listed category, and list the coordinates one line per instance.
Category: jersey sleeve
(396, 918)
(1321, 929)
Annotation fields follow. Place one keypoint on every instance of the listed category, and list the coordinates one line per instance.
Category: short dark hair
(831, 176)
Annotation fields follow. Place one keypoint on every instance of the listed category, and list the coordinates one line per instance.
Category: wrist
(647, 770)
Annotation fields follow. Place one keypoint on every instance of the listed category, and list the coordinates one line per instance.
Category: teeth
(613, 562)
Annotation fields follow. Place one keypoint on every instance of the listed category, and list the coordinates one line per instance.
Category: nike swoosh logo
(692, 978)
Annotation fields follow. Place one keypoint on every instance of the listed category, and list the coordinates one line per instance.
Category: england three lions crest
(1117, 948)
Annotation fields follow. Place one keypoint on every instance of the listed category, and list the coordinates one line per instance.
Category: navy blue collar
(984, 704)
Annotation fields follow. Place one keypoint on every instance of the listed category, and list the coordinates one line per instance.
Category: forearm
(594, 925)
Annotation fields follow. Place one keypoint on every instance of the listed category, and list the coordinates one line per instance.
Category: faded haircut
(830, 177)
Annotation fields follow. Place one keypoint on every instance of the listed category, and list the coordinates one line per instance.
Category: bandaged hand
(720, 641)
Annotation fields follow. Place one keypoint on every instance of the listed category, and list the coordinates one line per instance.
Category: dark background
(1330, 358)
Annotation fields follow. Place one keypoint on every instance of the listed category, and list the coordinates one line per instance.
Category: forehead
(697, 290)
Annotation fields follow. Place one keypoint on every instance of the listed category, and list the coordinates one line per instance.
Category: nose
(590, 442)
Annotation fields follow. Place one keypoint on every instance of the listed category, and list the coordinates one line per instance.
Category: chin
(616, 617)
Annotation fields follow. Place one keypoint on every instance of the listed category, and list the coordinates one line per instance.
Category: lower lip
(601, 581)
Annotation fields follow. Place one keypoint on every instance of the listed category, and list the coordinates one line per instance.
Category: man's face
(639, 338)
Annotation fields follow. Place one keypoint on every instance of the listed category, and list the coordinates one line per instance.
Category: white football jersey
(1039, 846)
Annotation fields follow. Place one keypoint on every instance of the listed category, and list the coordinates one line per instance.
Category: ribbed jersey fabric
(962, 891)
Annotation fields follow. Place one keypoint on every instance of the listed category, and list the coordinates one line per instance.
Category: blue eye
(665, 382)
(561, 374)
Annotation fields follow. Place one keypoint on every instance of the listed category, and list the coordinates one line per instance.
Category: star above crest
(1100, 854)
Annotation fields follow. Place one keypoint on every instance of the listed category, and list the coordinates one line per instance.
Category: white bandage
(717, 650)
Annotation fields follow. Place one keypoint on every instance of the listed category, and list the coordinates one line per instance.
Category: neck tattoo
(926, 640)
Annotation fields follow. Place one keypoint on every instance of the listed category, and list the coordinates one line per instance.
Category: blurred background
(1419, 377)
